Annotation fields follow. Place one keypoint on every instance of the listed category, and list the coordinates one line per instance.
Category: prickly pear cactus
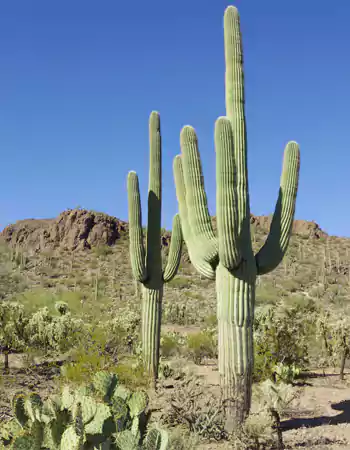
(103, 416)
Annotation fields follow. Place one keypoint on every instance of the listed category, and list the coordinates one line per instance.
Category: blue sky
(78, 80)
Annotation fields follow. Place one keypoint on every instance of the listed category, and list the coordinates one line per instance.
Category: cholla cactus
(13, 322)
(62, 307)
(275, 397)
(334, 328)
(146, 262)
(123, 329)
(229, 257)
(56, 333)
(103, 415)
(286, 373)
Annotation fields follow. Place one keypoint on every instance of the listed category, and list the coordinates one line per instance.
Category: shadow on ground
(312, 422)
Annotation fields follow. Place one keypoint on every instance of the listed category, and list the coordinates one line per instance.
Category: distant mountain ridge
(78, 229)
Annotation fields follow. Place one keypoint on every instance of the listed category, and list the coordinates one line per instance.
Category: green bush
(281, 336)
(201, 345)
(169, 346)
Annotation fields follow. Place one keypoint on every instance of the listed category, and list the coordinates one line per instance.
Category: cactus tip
(188, 134)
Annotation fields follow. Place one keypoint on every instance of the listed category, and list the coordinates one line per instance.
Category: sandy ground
(318, 419)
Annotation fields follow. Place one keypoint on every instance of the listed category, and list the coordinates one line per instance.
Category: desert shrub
(132, 373)
(254, 434)
(102, 250)
(174, 369)
(180, 282)
(88, 356)
(334, 330)
(281, 336)
(201, 345)
(169, 345)
(179, 313)
(211, 321)
(192, 406)
(267, 294)
(182, 439)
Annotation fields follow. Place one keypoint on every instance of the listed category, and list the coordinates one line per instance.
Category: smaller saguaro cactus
(146, 262)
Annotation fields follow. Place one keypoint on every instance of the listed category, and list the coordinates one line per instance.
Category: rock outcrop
(74, 229)
(300, 227)
(78, 229)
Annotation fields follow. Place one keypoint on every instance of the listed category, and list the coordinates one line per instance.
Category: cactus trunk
(235, 312)
(151, 321)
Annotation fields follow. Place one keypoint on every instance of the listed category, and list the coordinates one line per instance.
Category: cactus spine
(228, 257)
(146, 262)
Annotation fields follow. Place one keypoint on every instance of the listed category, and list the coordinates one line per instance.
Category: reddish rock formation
(77, 229)
(72, 230)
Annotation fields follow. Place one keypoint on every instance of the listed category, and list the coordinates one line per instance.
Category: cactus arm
(174, 252)
(202, 266)
(235, 111)
(196, 199)
(153, 252)
(272, 252)
(137, 249)
(181, 198)
(226, 195)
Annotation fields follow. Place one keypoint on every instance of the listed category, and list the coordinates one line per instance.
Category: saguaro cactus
(229, 257)
(146, 262)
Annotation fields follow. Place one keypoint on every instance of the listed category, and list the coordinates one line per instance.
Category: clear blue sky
(78, 80)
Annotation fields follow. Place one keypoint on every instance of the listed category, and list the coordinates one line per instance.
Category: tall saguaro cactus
(228, 257)
(146, 262)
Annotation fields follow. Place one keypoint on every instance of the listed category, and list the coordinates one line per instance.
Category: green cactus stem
(228, 256)
(146, 262)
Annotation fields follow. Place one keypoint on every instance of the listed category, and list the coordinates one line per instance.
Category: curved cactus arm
(175, 251)
(153, 250)
(196, 198)
(202, 266)
(137, 249)
(226, 195)
(272, 252)
(181, 198)
(235, 100)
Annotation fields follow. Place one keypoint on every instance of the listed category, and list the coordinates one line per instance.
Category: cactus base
(235, 297)
(151, 322)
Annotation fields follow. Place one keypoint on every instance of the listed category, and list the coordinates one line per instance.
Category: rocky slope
(77, 229)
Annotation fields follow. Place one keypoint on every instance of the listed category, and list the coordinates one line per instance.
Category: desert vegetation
(227, 332)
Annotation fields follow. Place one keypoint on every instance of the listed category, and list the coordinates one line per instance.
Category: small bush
(87, 358)
(132, 373)
(169, 345)
(102, 250)
(201, 345)
(180, 282)
(281, 336)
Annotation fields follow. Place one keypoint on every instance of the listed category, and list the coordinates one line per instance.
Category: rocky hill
(77, 229)
(82, 258)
